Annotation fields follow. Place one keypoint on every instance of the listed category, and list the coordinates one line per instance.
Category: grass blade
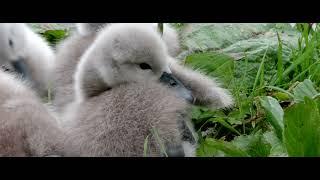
(303, 72)
(260, 70)
(145, 146)
(225, 124)
(156, 135)
(298, 61)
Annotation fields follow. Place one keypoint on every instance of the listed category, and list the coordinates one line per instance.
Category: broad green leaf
(201, 115)
(211, 147)
(304, 89)
(277, 147)
(302, 129)
(204, 36)
(213, 64)
(274, 114)
(255, 47)
(255, 145)
(280, 61)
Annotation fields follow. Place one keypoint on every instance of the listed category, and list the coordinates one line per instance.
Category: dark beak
(178, 87)
(21, 67)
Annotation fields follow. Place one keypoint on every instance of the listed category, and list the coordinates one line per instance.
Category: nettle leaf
(196, 112)
(201, 114)
(205, 150)
(274, 114)
(255, 144)
(212, 147)
(304, 89)
(302, 128)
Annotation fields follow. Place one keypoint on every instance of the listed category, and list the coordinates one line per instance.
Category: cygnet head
(133, 52)
(12, 41)
(125, 53)
(12, 46)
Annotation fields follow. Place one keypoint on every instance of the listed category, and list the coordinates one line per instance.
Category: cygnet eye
(145, 66)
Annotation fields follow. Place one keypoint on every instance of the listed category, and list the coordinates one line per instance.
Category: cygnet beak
(173, 82)
(21, 67)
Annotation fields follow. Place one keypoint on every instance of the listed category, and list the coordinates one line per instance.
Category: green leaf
(255, 145)
(205, 150)
(201, 115)
(280, 61)
(274, 114)
(282, 96)
(235, 120)
(302, 129)
(213, 64)
(54, 36)
(304, 89)
(277, 147)
(211, 147)
(225, 124)
(206, 36)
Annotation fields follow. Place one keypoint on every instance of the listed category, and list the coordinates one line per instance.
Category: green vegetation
(273, 73)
